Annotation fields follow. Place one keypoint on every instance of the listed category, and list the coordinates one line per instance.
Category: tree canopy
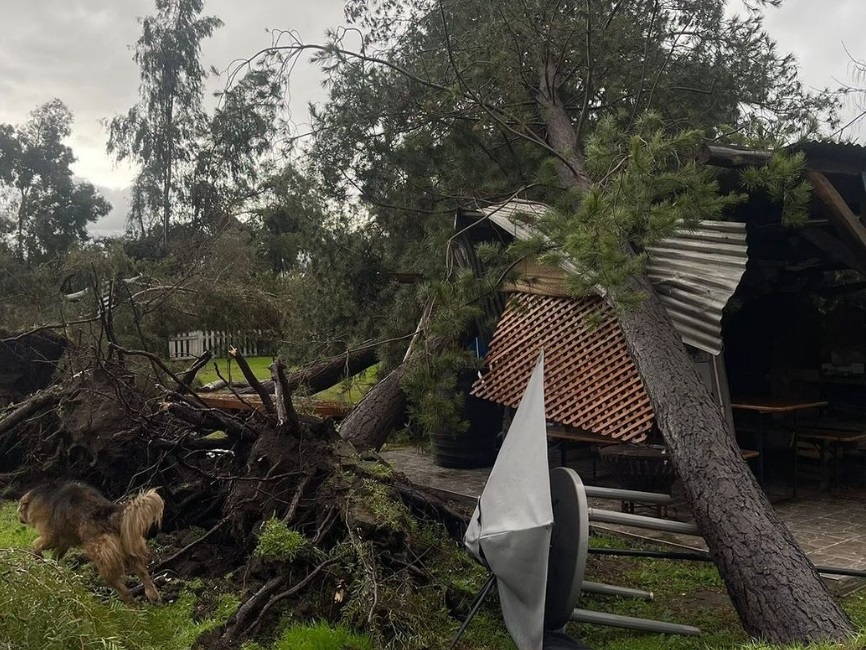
(162, 131)
(44, 206)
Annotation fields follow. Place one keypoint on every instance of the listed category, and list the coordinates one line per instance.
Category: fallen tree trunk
(772, 584)
(379, 412)
(775, 589)
(29, 407)
(321, 375)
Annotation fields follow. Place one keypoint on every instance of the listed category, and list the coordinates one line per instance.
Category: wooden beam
(730, 156)
(835, 248)
(842, 216)
(862, 195)
(532, 277)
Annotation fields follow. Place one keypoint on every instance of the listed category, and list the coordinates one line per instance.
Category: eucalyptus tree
(47, 209)
(594, 106)
(162, 131)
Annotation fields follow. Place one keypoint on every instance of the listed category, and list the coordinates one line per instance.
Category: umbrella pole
(473, 610)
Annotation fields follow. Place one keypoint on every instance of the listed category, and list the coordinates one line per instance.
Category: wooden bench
(825, 444)
(565, 436)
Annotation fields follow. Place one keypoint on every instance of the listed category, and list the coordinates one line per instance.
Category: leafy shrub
(278, 543)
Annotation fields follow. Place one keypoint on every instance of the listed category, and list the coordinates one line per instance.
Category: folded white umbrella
(510, 529)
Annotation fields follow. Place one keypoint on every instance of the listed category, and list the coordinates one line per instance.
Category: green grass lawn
(230, 370)
(690, 593)
(53, 606)
(349, 391)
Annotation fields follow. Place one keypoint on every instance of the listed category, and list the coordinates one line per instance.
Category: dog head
(24, 507)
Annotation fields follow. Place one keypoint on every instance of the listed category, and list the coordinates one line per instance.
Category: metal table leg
(760, 446)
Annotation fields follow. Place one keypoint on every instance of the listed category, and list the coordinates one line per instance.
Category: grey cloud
(78, 50)
(815, 33)
(112, 224)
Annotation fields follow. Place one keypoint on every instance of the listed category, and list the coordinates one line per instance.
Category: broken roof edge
(709, 283)
(506, 215)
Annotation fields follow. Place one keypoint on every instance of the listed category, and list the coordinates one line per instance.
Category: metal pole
(639, 521)
(661, 555)
(704, 557)
(631, 623)
(626, 495)
(613, 590)
(473, 610)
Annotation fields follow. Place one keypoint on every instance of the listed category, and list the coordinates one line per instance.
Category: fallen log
(41, 401)
(321, 375)
(379, 412)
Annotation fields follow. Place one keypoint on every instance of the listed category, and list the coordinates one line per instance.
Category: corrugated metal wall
(695, 274)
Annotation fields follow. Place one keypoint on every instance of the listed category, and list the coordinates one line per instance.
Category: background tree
(528, 84)
(332, 269)
(46, 208)
(161, 132)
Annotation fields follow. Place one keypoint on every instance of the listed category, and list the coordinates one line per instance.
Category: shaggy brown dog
(112, 535)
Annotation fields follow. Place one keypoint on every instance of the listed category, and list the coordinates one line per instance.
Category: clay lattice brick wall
(591, 382)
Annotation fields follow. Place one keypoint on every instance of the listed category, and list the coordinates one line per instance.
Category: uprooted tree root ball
(277, 506)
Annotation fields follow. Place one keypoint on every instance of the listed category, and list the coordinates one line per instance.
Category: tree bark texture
(560, 133)
(370, 423)
(775, 589)
(321, 375)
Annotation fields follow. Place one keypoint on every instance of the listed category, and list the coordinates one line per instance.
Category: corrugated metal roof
(695, 272)
(831, 149)
(591, 382)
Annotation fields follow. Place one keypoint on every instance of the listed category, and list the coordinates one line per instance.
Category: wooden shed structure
(766, 310)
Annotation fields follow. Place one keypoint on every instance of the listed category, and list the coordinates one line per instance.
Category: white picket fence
(189, 345)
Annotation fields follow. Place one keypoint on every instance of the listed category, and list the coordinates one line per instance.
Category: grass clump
(857, 642)
(278, 543)
(13, 534)
(685, 592)
(45, 605)
(177, 626)
(376, 503)
(316, 636)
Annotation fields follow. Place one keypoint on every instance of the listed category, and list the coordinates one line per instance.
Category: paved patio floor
(830, 526)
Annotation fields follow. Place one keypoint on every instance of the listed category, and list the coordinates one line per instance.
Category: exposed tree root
(364, 538)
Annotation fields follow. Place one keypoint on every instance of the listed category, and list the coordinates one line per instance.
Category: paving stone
(831, 527)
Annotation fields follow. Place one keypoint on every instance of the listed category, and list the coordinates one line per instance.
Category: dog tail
(139, 515)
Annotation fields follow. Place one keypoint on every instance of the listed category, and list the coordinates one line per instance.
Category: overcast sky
(78, 50)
